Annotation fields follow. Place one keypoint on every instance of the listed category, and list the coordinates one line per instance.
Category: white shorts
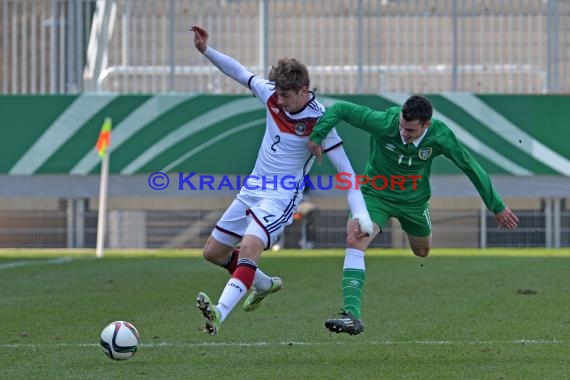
(265, 218)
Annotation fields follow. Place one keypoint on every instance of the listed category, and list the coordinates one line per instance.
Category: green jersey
(399, 172)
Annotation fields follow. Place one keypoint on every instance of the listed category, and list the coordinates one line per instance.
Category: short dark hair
(289, 74)
(417, 107)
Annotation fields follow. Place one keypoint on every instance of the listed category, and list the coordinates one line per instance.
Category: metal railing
(71, 226)
(350, 46)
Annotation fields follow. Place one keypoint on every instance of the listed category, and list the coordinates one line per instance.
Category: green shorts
(413, 218)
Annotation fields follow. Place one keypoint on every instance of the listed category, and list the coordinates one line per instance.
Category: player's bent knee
(209, 255)
(421, 252)
(351, 242)
(214, 253)
(355, 243)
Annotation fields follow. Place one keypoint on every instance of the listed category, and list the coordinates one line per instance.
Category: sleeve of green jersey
(358, 116)
(455, 151)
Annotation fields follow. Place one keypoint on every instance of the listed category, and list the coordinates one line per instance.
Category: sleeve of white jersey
(228, 66)
(354, 197)
(261, 88)
(331, 141)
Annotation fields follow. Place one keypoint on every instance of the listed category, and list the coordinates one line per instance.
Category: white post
(102, 204)
(556, 223)
(483, 226)
(548, 222)
(263, 30)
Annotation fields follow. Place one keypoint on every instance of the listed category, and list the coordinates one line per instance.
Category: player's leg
(354, 271)
(221, 254)
(272, 216)
(227, 257)
(416, 222)
(236, 287)
(228, 232)
(242, 278)
(257, 237)
(219, 249)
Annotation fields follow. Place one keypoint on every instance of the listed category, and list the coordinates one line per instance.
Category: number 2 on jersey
(277, 140)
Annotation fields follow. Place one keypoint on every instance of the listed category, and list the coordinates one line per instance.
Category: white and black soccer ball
(120, 340)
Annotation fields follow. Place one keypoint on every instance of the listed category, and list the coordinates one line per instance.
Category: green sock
(352, 284)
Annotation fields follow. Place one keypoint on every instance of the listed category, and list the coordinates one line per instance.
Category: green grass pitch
(458, 314)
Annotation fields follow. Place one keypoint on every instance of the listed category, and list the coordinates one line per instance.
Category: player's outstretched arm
(226, 64)
(361, 117)
(507, 219)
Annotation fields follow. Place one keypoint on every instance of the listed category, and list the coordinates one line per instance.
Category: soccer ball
(120, 340)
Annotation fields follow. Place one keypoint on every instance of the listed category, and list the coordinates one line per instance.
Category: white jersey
(284, 157)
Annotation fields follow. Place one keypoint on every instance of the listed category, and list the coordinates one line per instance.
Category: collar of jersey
(417, 141)
(305, 106)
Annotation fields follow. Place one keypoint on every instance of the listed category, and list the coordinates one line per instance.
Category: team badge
(425, 153)
(300, 129)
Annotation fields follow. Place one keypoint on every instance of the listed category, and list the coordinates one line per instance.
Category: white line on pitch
(16, 264)
(262, 344)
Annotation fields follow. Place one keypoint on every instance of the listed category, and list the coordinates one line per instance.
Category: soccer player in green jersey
(403, 143)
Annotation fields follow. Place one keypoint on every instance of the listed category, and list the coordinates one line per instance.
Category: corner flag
(103, 143)
(104, 140)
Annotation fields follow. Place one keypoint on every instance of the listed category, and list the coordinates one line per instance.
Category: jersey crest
(300, 129)
(425, 153)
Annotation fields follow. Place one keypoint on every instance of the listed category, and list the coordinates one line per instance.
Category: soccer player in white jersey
(259, 213)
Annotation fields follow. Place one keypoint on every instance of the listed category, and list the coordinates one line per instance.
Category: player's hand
(365, 226)
(317, 151)
(507, 219)
(200, 37)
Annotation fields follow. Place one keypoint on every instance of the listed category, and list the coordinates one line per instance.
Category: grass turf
(457, 314)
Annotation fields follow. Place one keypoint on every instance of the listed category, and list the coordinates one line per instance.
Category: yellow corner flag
(104, 140)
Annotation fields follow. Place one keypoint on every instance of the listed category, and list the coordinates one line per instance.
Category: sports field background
(497, 71)
(457, 314)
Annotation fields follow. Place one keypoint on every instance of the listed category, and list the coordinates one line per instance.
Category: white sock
(353, 259)
(234, 291)
(261, 281)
